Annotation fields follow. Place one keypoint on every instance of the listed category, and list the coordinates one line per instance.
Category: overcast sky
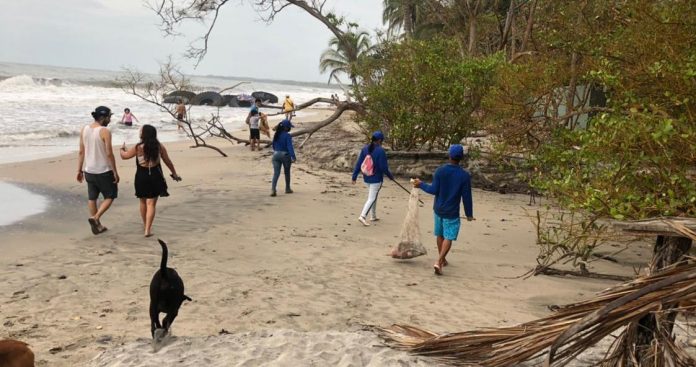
(112, 34)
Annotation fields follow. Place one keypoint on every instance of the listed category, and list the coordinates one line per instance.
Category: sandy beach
(287, 280)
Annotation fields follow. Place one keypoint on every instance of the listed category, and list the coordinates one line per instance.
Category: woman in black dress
(149, 179)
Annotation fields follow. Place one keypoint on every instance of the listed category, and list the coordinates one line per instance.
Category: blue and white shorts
(447, 227)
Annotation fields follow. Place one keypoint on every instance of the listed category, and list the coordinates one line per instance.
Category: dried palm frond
(569, 331)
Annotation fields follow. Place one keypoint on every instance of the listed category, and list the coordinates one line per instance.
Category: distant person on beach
(288, 107)
(128, 117)
(254, 132)
(451, 184)
(96, 165)
(149, 178)
(180, 115)
(283, 155)
(372, 163)
(254, 108)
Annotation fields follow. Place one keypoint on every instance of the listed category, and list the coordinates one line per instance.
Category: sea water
(43, 108)
(18, 203)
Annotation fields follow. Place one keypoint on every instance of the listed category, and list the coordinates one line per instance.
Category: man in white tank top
(96, 165)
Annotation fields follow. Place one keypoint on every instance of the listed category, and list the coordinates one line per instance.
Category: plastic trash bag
(410, 245)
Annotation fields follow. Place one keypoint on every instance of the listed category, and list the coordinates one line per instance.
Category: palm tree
(343, 54)
(401, 14)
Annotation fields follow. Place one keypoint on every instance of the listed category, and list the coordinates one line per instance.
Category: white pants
(371, 203)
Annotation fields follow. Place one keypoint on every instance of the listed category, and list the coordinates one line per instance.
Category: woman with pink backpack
(372, 163)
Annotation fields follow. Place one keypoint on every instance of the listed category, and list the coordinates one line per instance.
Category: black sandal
(94, 224)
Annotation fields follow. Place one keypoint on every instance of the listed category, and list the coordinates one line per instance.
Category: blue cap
(378, 135)
(286, 123)
(456, 151)
(254, 108)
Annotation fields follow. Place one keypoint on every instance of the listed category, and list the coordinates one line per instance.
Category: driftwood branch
(305, 105)
(312, 126)
(655, 226)
(543, 270)
(170, 79)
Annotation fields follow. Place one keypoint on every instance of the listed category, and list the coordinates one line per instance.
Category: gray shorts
(102, 183)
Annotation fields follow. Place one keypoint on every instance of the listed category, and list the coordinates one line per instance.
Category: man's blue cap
(286, 123)
(456, 151)
(378, 135)
(254, 108)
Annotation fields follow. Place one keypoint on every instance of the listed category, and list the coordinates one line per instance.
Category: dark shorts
(102, 183)
(180, 116)
(128, 123)
(254, 134)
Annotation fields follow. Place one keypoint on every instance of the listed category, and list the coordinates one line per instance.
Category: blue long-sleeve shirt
(284, 144)
(379, 158)
(451, 183)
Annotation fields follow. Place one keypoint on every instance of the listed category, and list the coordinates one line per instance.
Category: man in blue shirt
(451, 183)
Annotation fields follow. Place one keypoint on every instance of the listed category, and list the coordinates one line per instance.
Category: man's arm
(106, 136)
(466, 198)
(81, 157)
(432, 188)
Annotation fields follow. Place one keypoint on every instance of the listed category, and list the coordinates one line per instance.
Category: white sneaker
(363, 221)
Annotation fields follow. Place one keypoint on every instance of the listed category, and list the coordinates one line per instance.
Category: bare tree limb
(312, 126)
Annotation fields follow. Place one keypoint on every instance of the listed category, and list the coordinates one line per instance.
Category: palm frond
(570, 330)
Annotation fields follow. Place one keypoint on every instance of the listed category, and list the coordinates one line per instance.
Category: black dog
(166, 295)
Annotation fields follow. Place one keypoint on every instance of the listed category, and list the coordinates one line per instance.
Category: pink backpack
(368, 166)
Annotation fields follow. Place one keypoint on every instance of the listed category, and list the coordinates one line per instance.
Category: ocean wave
(20, 81)
(38, 135)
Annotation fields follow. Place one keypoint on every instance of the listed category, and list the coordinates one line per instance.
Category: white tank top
(96, 161)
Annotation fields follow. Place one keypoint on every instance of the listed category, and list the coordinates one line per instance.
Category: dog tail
(165, 253)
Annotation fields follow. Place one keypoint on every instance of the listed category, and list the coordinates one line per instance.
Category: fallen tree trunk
(312, 126)
(309, 104)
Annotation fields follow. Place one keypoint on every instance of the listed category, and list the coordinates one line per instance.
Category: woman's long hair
(151, 146)
(278, 130)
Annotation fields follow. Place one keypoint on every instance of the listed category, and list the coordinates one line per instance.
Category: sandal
(94, 224)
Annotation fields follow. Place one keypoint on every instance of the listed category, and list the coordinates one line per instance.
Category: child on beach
(128, 117)
(283, 155)
(254, 132)
(149, 179)
(451, 184)
(375, 157)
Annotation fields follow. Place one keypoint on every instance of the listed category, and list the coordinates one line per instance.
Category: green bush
(423, 94)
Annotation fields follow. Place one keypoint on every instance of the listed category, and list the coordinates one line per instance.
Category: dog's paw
(158, 339)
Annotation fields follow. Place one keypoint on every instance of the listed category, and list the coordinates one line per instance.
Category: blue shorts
(447, 227)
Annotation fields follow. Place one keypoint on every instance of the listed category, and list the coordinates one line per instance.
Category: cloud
(109, 34)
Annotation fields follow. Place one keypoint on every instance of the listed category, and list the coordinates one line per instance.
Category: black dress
(149, 181)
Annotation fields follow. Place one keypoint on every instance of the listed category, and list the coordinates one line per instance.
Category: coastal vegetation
(596, 97)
